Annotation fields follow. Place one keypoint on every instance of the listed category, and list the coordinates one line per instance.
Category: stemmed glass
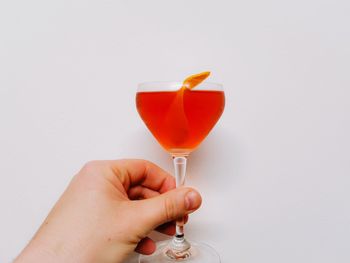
(180, 118)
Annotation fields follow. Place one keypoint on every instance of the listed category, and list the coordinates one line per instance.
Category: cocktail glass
(180, 118)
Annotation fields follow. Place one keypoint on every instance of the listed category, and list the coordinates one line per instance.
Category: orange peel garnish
(194, 80)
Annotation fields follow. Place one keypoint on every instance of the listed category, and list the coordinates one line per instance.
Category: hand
(107, 212)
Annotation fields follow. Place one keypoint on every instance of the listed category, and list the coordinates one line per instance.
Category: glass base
(198, 253)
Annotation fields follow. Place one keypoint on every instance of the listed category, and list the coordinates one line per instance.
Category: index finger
(132, 172)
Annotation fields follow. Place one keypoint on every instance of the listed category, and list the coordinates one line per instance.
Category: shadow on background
(215, 161)
(218, 150)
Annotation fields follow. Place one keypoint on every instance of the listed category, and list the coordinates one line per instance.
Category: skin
(107, 211)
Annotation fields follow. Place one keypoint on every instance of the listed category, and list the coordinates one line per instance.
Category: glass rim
(175, 85)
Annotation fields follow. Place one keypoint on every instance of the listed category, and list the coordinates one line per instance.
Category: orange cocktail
(180, 120)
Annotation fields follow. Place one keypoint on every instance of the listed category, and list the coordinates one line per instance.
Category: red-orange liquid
(180, 120)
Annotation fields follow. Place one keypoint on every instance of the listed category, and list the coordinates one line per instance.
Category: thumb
(168, 207)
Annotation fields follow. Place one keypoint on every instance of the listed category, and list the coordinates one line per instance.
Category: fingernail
(191, 199)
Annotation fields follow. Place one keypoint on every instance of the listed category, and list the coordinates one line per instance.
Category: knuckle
(91, 165)
(170, 209)
(90, 168)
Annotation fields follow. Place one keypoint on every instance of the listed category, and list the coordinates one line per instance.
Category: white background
(275, 171)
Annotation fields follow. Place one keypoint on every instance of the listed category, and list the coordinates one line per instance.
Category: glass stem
(179, 244)
(180, 175)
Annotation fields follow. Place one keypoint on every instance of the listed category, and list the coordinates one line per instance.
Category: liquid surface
(180, 120)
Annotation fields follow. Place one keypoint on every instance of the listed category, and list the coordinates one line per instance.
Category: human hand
(107, 211)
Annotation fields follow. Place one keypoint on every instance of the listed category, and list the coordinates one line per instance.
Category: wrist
(36, 252)
(43, 249)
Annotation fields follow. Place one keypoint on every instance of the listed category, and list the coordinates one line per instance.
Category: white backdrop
(274, 173)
